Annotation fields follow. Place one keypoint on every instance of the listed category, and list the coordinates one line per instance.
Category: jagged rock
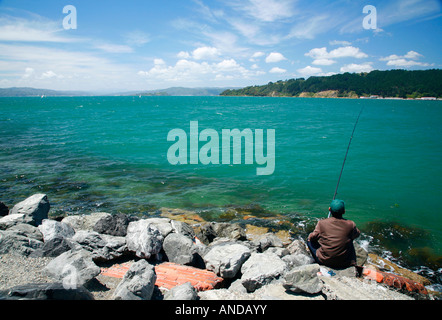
(280, 252)
(45, 291)
(54, 247)
(260, 269)
(303, 279)
(183, 228)
(11, 220)
(180, 249)
(35, 209)
(144, 239)
(296, 260)
(102, 246)
(85, 222)
(206, 234)
(229, 230)
(74, 268)
(11, 241)
(345, 288)
(226, 259)
(182, 292)
(298, 247)
(51, 229)
(114, 225)
(138, 283)
(266, 241)
(27, 231)
(163, 225)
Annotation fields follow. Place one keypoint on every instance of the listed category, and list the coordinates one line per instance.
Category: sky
(131, 45)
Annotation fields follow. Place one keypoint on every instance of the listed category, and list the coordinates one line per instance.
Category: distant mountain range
(33, 92)
(174, 91)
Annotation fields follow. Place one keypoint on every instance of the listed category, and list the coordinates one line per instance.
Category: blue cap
(337, 207)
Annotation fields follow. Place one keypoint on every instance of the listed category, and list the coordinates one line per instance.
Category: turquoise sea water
(110, 154)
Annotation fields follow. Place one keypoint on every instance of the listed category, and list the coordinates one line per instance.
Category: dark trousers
(313, 246)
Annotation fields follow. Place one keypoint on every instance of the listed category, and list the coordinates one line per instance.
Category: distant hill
(174, 91)
(391, 83)
(181, 91)
(33, 92)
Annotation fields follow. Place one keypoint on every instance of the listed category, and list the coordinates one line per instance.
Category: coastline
(23, 254)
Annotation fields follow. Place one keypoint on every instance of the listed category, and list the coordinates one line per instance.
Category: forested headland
(392, 83)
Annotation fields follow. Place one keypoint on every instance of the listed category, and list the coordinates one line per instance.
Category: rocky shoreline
(64, 258)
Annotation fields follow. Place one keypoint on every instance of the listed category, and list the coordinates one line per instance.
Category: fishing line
(345, 158)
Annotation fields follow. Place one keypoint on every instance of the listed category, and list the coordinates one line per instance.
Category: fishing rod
(345, 158)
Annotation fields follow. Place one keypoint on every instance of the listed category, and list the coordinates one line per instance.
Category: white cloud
(29, 72)
(407, 60)
(322, 57)
(311, 27)
(277, 70)
(339, 43)
(183, 55)
(275, 57)
(75, 70)
(36, 30)
(268, 10)
(357, 68)
(309, 71)
(406, 63)
(114, 48)
(159, 62)
(187, 70)
(323, 62)
(205, 53)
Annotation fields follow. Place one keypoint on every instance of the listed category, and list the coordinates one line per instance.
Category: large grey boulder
(35, 209)
(11, 220)
(85, 221)
(74, 268)
(261, 269)
(103, 247)
(113, 224)
(183, 228)
(27, 230)
(52, 229)
(267, 240)
(144, 239)
(229, 230)
(182, 292)
(138, 283)
(13, 242)
(226, 259)
(163, 225)
(54, 247)
(180, 249)
(303, 279)
(45, 291)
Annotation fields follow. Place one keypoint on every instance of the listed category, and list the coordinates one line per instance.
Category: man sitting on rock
(331, 243)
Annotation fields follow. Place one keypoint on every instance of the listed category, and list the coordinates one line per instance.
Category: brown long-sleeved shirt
(335, 236)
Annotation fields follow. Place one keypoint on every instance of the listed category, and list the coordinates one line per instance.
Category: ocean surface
(110, 154)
